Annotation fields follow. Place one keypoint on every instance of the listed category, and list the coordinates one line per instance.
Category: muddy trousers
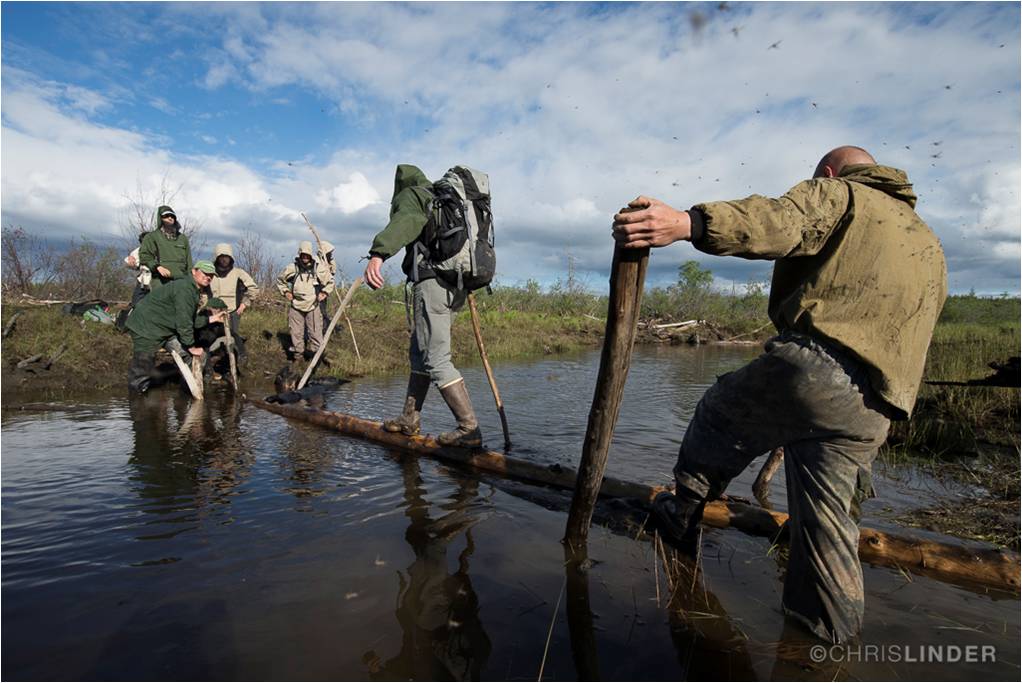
(434, 304)
(818, 404)
(299, 323)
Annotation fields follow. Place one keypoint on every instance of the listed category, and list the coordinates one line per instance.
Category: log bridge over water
(956, 563)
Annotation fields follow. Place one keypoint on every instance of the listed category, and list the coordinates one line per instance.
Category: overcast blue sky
(260, 111)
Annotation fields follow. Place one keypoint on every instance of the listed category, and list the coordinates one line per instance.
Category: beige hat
(305, 248)
(222, 249)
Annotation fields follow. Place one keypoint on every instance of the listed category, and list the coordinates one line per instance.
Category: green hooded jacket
(167, 312)
(170, 251)
(410, 208)
(855, 266)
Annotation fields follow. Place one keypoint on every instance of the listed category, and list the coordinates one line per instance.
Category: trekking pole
(319, 246)
(627, 275)
(488, 369)
(186, 372)
(230, 351)
(329, 330)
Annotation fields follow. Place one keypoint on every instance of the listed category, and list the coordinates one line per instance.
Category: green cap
(205, 266)
(216, 302)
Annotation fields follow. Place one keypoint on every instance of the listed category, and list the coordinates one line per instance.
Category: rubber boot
(140, 372)
(467, 435)
(409, 420)
(677, 517)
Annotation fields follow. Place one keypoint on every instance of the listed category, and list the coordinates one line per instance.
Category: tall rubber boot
(409, 420)
(677, 516)
(467, 435)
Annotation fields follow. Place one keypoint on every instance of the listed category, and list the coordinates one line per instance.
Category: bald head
(836, 159)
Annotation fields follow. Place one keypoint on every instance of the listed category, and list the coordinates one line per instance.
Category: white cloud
(350, 197)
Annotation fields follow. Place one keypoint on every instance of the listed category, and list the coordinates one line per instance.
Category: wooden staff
(626, 280)
(230, 351)
(186, 372)
(319, 246)
(761, 487)
(486, 366)
(329, 330)
(971, 567)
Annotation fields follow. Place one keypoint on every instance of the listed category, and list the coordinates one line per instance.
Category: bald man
(858, 283)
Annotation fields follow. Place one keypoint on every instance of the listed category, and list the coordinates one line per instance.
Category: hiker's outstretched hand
(648, 222)
(373, 276)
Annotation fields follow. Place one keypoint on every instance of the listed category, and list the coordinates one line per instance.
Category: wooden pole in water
(967, 566)
(230, 351)
(627, 275)
(486, 366)
(326, 337)
(186, 372)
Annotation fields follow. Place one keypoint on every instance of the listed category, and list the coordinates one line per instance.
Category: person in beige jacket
(305, 283)
(236, 288)
(859, 281)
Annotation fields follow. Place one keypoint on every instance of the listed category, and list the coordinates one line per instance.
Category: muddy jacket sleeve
(284, 279)
(248, 286)
(185, 319)
(797, 224)
(408, 215)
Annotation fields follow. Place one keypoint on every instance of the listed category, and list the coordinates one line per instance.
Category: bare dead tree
(140, 213)
(28, 262)
(254, 256)
(88, 271)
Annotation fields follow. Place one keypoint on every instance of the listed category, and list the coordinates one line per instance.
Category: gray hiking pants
(434, 304)
(818, 404)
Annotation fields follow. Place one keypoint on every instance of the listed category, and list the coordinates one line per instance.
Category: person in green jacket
(434, 304)
(859, 280)
(165, 250)
(167, 317)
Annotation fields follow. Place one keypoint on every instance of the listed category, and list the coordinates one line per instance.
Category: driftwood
(687, 323)
(28, 361)
(329, 330)
(186, 373)
(53, 359)
(477, 330)
(230, 352)
(627, 275)
(9, 327)
(967, 566)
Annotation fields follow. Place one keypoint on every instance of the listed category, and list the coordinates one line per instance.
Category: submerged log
(967, 566)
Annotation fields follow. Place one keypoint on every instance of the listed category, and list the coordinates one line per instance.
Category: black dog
(313, 394)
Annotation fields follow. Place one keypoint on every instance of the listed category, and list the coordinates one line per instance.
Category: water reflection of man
(443, 635)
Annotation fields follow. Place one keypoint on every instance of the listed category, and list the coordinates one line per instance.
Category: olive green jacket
(855, 266)
(172, 252)
(410, 208)
(166, 312)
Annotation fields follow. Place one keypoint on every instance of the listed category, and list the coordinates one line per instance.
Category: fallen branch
(746, 334)
(761, 487)
(687, 323)
(9, 327)
(28, 361)
(186, 372)
(967, 566)
(53, 359)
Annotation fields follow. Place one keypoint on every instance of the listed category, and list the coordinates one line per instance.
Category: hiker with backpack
(446, 229)
(305, 283)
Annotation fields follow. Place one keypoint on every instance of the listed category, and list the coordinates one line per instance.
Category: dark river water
(160, 538)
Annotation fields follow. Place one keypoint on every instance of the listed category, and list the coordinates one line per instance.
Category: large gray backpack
(458, 238)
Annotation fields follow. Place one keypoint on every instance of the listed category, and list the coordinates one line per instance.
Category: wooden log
(687, 323)
(9, 327)
(971, 567)
(186, 372)
(329, 330)
(477, 330)
(627, 275)
(22, 364)
(197, 374)
(230, 352)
